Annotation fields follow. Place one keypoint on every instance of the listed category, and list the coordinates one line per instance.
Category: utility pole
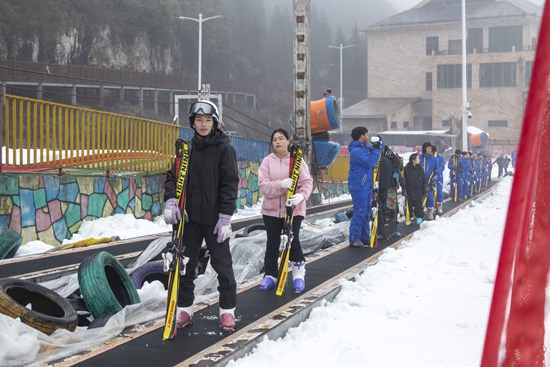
(302, 93)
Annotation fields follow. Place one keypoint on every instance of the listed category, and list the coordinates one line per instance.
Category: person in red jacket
(273, 177)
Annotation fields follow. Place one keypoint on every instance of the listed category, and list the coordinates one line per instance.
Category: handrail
(42, 134)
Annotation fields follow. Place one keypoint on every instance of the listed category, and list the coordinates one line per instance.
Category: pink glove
(172, 214)
(223, 227)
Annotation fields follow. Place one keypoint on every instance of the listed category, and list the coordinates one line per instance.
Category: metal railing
(12, 70)
(40, 134)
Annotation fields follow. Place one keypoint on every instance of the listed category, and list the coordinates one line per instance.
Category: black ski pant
(220, 259)
(273, 228)
(382, 208)
(415, 207)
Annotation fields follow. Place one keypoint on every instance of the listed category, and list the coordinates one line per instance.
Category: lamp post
(465, 104)
(200, 20)
(341, 101)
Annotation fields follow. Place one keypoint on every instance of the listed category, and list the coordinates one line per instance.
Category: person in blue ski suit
(439, 179)
(455, 174)
(363, 158)
(514, 157)
(430, 165)
(466, 174)
(489, 166)
(475, 176)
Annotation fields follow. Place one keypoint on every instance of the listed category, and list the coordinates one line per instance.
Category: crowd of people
(211, 189)
(421, 182)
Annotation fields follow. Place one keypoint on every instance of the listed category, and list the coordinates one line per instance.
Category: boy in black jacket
(416, 186)
(211, 195)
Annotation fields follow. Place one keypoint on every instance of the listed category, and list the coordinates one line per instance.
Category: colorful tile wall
(51, 208)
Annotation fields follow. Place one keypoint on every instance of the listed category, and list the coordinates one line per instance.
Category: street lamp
(200, 20)
(341, 101)
(465, 105)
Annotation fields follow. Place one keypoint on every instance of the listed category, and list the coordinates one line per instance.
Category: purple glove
(223, 227)
(172, 214)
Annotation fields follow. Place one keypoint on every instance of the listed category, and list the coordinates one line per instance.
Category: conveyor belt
(253, 304)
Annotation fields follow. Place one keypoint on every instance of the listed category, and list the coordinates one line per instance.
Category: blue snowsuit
(439, 177)
(362, 159)
(466, 177)
(430, 165)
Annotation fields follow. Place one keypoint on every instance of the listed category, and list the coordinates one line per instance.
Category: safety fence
(41, 134)
(37, 134)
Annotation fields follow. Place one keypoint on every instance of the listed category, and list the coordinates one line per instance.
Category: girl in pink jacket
(273, 177)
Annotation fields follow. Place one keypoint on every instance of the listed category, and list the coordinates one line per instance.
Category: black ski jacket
(212, 179)
(416, 181)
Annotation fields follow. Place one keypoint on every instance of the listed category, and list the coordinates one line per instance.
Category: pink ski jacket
(274, 170)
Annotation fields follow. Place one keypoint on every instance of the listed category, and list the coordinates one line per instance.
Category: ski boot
(430, 215)
(440, 208)
(185, 316)
(418, 221)
(268, 283)
(298, 274)
(227, 319)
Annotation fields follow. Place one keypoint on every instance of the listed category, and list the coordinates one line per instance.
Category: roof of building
(431, 11)
(376, 107)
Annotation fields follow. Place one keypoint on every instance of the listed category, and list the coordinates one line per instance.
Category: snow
(424, 303)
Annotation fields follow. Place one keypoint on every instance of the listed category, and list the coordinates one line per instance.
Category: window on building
(445, 123)
(405, 124)
(498, 74)
(432, 44)
(502, 39)
(429, 81)
(475, 40)
(498, 123)
(450, 76)
(528, 71)
(455, 47)
(394, 125)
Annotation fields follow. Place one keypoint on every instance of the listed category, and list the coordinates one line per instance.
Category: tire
(105, 285)
(251, 228)
(10, 241)
(149, 272)
(49, 310)
(349, 213)
(100, 322)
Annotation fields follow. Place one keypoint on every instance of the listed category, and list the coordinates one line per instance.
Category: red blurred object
(525, 257)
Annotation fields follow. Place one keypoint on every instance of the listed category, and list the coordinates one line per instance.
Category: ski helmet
(206, 108)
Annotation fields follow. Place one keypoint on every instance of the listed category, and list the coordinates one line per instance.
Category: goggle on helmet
(205, 108)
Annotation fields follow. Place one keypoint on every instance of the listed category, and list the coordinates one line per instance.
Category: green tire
(10, 241)
(105, 285)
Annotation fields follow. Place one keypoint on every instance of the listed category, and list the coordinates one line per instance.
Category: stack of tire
(105, 287)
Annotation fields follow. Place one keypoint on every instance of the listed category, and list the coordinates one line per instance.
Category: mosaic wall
(249, 189)
(50, 208)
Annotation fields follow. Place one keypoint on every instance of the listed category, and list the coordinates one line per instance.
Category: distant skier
(500, 163)
(430, 165)
(440, 170)
(514, 157)
(415, 181)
